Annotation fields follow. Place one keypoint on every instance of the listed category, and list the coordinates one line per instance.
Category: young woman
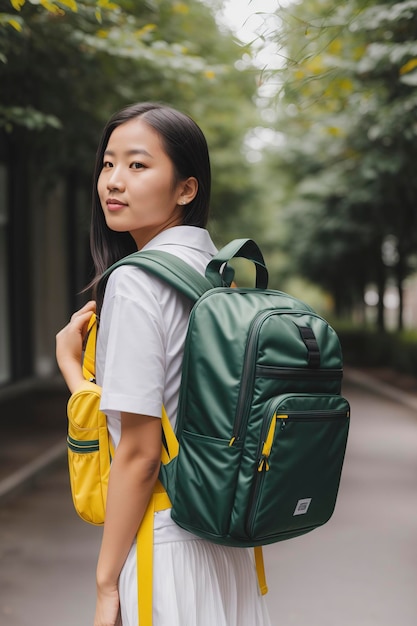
(151, 191)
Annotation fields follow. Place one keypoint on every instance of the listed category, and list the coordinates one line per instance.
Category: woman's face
(136, 185)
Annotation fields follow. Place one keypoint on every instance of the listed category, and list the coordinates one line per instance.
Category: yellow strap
(260, 570)
(89, 359)
(144, 541)
(170, 438)
(144, 553)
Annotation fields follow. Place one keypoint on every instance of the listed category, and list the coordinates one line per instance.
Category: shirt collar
(188, 236)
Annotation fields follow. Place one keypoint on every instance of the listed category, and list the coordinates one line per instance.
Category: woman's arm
(133, 474)
(69, 345)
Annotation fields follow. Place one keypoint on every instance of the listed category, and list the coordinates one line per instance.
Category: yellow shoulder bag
(90, 452)
(89, 447)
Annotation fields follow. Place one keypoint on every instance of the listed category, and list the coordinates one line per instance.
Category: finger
(85, 312)
(89, 307)
(79, 320)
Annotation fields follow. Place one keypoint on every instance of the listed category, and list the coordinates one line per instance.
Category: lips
(114, 205)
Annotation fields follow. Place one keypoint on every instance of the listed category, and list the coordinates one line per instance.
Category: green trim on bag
(83, 447)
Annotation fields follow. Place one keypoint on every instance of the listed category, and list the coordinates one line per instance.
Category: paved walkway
(33, 432)
(358, 570)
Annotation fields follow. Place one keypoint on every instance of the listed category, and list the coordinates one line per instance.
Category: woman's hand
(69, 345)
(107, 608)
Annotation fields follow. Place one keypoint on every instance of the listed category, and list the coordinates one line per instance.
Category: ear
(188, 191)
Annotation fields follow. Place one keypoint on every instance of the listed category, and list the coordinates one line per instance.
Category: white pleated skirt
(195, 582)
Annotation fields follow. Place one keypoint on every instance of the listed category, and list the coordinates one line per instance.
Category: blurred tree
(66, 66)
(347, 112)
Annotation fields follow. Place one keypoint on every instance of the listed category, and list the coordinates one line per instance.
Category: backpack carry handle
(240, 248)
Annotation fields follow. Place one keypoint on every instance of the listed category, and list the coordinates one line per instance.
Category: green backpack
(261, 425)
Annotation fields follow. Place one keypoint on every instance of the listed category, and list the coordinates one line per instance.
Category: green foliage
(27, 117)
(347, 110)
(64, 72)
(364, 347)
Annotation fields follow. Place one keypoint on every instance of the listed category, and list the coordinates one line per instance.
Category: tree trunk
(400, 275)
(381, 280)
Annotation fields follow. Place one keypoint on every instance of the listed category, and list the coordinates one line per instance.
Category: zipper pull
(282, 418)
(263, 463)
(267, 445)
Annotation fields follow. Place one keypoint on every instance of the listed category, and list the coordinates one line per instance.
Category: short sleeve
(131, 345)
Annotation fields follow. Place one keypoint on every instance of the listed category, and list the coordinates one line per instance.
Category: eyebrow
(131, 152)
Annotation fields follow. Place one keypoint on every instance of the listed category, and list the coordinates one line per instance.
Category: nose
(115, 180)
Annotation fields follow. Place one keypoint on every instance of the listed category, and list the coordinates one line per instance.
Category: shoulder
(141, 293)
(132, 302)
(129, 282)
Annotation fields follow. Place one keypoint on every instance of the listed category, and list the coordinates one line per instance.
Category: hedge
(363, 347)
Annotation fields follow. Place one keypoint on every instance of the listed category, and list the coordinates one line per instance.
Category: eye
(136, 165)
(107, 164)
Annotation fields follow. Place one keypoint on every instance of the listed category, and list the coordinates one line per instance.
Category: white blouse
(143, 324)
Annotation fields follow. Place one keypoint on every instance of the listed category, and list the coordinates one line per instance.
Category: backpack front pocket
(207, 469)
(303, 439)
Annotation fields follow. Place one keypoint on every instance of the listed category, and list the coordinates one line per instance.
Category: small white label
(302, 506)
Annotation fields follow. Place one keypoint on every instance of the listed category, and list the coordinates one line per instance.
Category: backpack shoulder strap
(169, 268)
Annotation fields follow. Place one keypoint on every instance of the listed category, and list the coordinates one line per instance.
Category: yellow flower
(410, 65)
(107, 4)
(334, 131)
(17, 5)
(51, 7)
(15, 24)
(180, 8)
(148, 28)
(335, 46)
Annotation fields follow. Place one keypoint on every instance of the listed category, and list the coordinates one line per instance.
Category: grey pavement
(47, 557)
(360, 569)
(33, 432)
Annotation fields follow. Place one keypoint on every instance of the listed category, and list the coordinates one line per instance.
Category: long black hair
(185, 145)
